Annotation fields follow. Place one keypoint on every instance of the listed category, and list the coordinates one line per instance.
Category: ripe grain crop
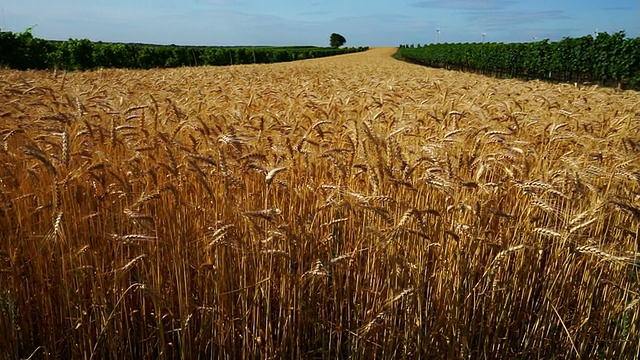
(353, 206)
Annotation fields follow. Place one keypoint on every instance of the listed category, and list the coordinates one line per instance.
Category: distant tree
(337, 40)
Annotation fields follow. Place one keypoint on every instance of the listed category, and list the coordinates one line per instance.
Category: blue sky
(310, 22)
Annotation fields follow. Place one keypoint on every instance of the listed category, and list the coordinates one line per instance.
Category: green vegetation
(24, 51)
(605, 59)
(336, 40)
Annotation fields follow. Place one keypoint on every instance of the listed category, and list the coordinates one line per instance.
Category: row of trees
(24, 51)
(610, 59)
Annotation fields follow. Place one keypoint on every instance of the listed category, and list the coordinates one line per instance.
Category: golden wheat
(354, 206)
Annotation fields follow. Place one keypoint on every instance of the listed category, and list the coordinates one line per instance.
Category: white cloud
(508, 19)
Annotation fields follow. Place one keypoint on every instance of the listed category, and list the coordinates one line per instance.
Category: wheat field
(346, 207)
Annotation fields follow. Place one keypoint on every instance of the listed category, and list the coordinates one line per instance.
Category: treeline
(24, 51)
(609, 59)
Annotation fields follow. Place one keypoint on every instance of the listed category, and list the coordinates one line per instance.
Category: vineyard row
(609, 59)
(24, 51)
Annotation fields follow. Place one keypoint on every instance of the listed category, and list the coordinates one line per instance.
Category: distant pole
(483, 36)
(437, 35)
